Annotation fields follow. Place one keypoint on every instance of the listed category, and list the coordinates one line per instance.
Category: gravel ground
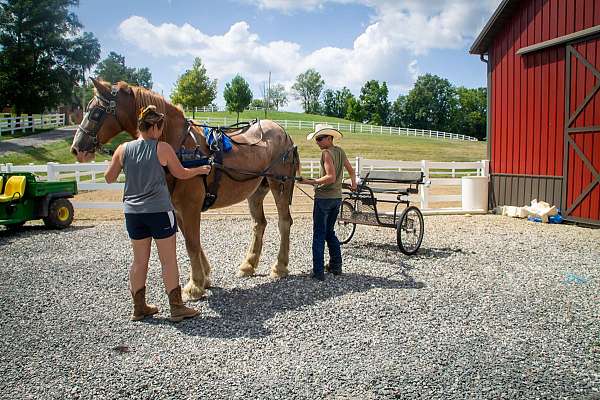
(490, 308)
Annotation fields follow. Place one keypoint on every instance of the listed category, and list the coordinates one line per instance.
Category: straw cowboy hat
(324, 130)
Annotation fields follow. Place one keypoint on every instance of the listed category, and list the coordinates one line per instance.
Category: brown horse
(263, 158)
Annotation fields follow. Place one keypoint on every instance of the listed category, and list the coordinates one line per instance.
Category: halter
(104, 107)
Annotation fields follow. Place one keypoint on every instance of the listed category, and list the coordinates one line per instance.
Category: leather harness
(194, 157)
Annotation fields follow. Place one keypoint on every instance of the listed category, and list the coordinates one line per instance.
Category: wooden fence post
(425, 188)
(51, 173)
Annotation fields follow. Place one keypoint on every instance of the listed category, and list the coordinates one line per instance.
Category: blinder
(94, 117)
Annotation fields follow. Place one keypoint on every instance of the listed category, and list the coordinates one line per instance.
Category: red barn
(543, 59)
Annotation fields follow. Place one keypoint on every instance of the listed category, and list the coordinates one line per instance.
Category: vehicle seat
(14, 189)
(1, 184)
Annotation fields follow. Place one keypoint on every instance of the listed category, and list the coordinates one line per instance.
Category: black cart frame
(361, 207)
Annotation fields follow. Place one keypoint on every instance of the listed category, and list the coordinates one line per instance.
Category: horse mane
(145, 97)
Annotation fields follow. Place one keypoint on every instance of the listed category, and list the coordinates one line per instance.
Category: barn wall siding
(527, 101)
(519, 190)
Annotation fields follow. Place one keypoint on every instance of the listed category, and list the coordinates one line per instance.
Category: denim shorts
(159, 225)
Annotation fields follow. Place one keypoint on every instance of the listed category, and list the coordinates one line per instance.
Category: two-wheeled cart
(365, 207)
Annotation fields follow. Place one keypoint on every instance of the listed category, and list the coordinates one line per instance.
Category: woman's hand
(203, 170)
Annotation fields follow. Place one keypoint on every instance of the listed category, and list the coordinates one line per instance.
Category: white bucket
(475, 193)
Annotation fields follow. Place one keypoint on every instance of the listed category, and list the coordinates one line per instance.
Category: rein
(108, 106)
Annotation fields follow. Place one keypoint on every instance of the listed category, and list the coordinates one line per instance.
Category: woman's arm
(168, 158)
(115, 166)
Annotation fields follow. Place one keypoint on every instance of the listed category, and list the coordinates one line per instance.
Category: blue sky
(347, 41)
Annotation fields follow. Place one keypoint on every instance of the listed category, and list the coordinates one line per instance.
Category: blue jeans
(325, 212)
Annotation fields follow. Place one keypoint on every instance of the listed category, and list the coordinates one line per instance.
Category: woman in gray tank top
(149, 212)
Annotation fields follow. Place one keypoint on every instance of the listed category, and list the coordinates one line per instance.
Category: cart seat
(408, 177)
(14, 189)
(402, 192)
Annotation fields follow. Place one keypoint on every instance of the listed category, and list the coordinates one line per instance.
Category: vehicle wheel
(60, 214)
(345, 230)
(409, 230)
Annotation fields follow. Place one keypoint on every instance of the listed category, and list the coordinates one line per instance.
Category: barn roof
(500, 17)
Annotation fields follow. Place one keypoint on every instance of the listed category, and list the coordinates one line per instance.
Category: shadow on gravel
(243, 312)
(7, 236)
(390, 254)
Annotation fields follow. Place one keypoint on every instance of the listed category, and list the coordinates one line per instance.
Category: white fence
(15, 124)
(353, 128)
(90, 176)
(221, 109)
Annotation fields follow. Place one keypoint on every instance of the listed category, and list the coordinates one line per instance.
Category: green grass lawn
(382, 147)
(58, 151)
(260, 114)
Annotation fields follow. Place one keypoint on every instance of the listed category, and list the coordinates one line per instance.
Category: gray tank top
(145, 184)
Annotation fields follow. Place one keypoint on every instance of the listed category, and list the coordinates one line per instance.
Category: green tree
(113, 69)
(278, 96)
(194, 88)
(328, 102)
(257, 103)
(335, 103)
(42, 54)
(470, 117)
(398, 112)
(374, 102)
(237, 95)
(431, 104)
(355, 112)
(308, 89)
(142, 77)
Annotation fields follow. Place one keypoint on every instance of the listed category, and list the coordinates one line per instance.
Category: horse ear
(100, 87)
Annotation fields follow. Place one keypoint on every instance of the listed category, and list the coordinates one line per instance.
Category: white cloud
(387, 50)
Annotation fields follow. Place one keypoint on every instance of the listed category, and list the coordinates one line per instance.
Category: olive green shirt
(332, 190)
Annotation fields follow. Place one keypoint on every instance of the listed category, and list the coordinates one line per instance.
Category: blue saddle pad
(211, 139)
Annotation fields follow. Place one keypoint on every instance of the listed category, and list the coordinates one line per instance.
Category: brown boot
(140, 309)
(178, 310)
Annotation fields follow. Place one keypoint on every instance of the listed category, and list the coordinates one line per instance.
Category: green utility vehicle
(23, 198)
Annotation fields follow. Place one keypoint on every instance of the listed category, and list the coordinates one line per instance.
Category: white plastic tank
(475, 193)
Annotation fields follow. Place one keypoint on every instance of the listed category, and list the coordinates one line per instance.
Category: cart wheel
(60, 214)
(409, 230)
(345, 230)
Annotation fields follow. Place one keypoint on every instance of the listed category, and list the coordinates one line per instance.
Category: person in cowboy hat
(328, 199)
(149, 211)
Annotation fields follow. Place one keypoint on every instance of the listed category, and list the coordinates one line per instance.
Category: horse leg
(199, 266)
(188, 219)
(281, 193)
(255, 203)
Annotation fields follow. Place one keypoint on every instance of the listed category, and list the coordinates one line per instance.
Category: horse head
(111, 111)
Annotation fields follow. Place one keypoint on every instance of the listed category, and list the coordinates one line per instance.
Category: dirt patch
(301, 205)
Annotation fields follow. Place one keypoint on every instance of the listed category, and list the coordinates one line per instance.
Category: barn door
(581, 168)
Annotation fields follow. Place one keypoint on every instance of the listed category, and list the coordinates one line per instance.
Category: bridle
(96, 115)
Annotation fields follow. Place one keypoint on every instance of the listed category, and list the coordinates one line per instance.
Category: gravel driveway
(36, 140)
(490, 308)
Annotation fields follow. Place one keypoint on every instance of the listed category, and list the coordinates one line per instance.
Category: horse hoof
(277, 274)
(191, 292)
(207, 284)
(246, 269)
(244, 273)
